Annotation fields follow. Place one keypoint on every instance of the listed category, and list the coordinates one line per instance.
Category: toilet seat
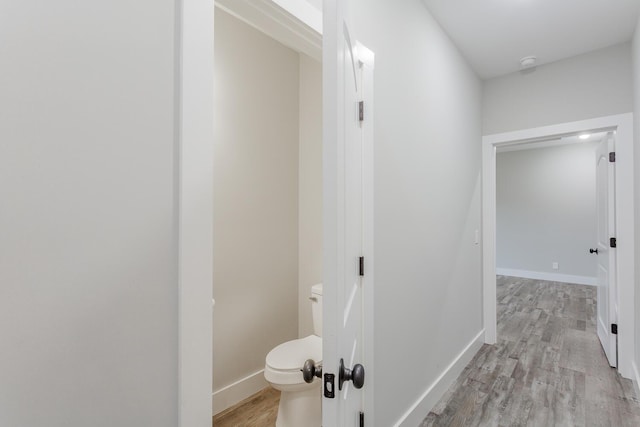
(284, 362)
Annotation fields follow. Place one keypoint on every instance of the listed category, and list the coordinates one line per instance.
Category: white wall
(427, 162)
(255, 198)
(546, 210)
(309, 189)
(88, 261)
(592, 85)
(636, 108)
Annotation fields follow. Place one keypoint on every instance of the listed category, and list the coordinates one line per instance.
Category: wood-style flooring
(547, 369)
(259, 410)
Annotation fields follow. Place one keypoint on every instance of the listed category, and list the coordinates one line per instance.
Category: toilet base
(300, 408)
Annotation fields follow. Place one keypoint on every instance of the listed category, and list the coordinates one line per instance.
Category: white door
(606, 253)
(348, 178)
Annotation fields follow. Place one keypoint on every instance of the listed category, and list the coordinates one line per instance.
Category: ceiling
(495, 34)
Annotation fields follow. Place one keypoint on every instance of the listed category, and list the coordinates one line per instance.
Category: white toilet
(300, 402)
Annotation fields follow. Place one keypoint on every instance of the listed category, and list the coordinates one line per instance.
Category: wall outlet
(554, 265)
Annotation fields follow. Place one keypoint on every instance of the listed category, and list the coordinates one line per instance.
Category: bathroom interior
(267, 207)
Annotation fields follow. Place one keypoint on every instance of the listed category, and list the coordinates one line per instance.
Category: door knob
(356, 375)
(593, 251)
(310, 370)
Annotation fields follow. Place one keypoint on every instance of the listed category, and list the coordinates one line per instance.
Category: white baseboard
(636, 379)
(234, 393)
(551, 277)
(419, 410)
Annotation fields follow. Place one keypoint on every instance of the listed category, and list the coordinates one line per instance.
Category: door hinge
(361, 266)
(361, 419)
(329, 382)
(612, 156)
(613, 242)
(614, 328)
(361, 111)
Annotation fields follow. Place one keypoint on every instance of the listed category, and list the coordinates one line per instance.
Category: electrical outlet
(554, 265)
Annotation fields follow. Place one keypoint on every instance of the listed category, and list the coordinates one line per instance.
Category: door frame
(367, 59)
(194, 74)
(193, 120)
(623, 125)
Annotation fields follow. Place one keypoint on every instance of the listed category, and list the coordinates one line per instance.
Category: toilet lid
(293, 354)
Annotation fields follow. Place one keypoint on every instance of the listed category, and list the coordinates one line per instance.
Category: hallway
(547, 369)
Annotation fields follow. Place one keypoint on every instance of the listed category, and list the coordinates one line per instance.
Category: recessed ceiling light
(584, 136)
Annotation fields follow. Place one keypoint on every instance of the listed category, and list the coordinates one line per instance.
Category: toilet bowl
(300, 402)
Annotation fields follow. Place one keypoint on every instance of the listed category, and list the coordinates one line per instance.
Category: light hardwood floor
(547, 369)
(259, 410)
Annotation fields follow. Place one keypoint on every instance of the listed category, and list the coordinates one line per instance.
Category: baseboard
(234, 393)
(551, 277)
(419, 410)
(636, 379)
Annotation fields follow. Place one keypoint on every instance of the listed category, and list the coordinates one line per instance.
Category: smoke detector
(528, 62)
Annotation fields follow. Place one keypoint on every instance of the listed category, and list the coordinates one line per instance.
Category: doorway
(267, 216)
(546, 210)
(622, 126)
(194, 184)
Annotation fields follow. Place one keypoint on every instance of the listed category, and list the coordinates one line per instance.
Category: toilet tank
(316, 308)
